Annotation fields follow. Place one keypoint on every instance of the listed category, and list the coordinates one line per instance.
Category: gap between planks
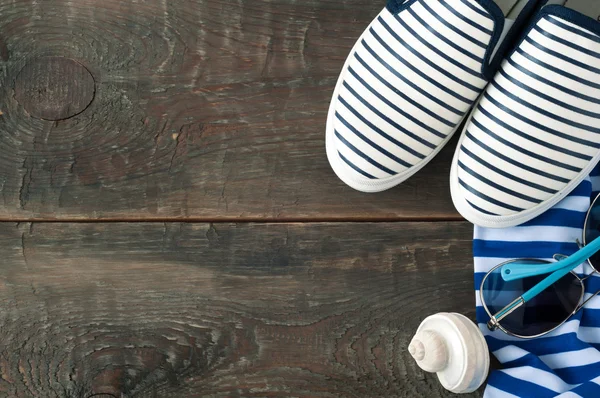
(228, 220)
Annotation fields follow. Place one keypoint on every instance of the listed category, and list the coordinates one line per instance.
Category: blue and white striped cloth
(565, 363)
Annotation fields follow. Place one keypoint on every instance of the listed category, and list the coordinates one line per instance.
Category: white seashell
(453, 347)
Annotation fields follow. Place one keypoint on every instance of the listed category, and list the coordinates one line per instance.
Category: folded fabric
(565, 363)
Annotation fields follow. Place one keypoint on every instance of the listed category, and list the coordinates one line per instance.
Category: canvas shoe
(535, 134)
(409, 82)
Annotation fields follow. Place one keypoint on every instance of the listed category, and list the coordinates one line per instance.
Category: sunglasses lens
(592, 231)
(540, 315)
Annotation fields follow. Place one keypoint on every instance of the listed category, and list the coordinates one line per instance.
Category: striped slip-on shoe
(535, 134)
(409, 82)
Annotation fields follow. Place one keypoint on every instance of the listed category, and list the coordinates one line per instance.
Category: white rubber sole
(514, 220)
(338, 165)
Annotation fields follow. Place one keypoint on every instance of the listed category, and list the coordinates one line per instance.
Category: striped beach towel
(565, 363)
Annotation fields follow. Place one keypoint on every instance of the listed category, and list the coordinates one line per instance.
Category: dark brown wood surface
(178, 310)
(170, 225)
(209, 109)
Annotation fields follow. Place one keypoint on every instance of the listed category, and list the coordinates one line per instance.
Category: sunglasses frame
(581, 280)
(499, 325)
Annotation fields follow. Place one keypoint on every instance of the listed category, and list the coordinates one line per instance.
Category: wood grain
(190, 310)
(203, 110)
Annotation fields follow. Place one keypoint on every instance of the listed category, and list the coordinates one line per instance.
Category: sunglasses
(529, 298)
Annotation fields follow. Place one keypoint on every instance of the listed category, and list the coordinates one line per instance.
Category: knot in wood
(54, 88)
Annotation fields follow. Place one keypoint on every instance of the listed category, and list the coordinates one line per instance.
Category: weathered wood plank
(178, 310)
(203, 109)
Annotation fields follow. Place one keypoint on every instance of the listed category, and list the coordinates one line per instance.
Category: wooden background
(171, 226)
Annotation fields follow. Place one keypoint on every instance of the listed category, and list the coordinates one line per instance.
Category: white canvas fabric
(406, 87)
(535, 134)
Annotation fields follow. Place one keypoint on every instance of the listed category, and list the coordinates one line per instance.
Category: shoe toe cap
(491, 189)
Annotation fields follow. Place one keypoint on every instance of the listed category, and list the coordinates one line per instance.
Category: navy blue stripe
(373, 144)
(532, 361)
(387, 119)
(505, 249)
(571, 29)
(402, 95)
(497, 186)
(590, 318)
(453, 28)
(425, 59)
(523, 150)
(527, 360)
(479, 209)
(581, 374)
(589, 389)
(542, 346)
(400, 111)
(518, 387)
(487, 198)
(583, 189)
(466, 19)
(568, 218)
(477, 9)
(561, 56)
(553, 84)
(357, 169)
(411, 84)
(548, 97)
(592, 285)
(544, 112)
(534, 139)
(540, 126)
(363, 155)
(567, 43)
(506, 174)
(444, 38)
(515, 162)
(558, 71)
(571, 375)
